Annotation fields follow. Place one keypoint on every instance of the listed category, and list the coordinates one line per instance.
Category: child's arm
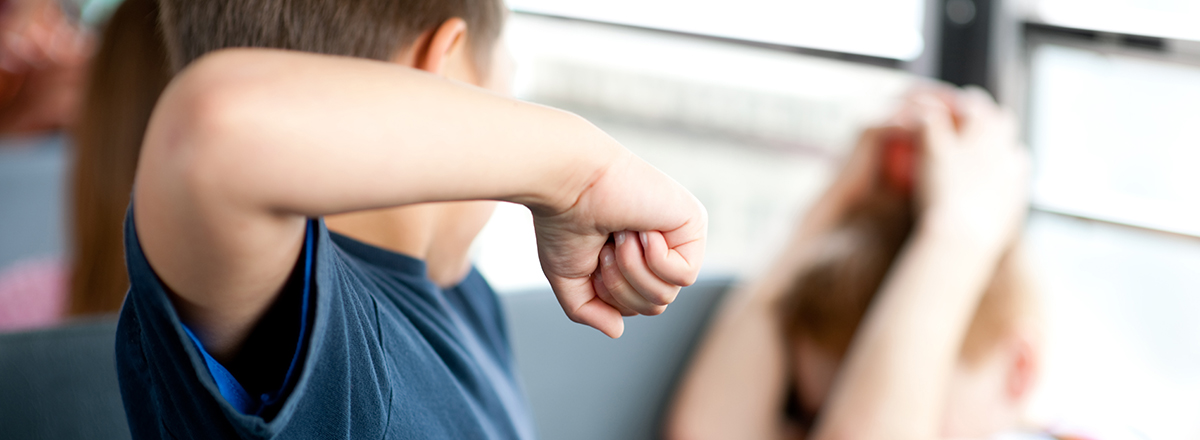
(246, 144)
(736, 384)
(973, 197)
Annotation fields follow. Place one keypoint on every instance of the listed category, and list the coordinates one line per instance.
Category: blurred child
(249, 317)
(823, 308)
(125, 77)
(901, 310)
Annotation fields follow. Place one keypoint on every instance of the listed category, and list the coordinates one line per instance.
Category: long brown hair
(129, 72)
(827, 301)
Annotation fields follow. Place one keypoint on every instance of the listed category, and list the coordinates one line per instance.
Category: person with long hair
(128, 73)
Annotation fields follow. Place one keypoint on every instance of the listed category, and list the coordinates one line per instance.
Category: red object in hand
(900, 161)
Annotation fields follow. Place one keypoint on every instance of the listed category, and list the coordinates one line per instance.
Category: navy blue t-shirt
(360, 344)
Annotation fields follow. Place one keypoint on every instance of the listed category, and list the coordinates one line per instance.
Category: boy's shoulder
(371, 331)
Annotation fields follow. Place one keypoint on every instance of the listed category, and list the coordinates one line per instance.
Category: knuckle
(574, 317)
(605, 296)
(689, 278)
(662, 297)
(654, 311)
(626, 265)
(658, 299)
(642, 307)
(615, 283)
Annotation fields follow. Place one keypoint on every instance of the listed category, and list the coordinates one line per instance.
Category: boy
(248, 318)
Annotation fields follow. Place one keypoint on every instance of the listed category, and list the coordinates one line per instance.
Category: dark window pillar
(966, 41)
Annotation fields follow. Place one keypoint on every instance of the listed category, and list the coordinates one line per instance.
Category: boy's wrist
(582, 155)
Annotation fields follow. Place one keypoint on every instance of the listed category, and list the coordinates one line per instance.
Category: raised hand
(658, 232)
(973, 181)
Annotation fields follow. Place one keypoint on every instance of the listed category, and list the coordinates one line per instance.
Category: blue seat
(61, 383)
(584, 386)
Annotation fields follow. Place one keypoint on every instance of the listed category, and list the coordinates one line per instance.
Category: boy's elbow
(200, 120)
(206, 102)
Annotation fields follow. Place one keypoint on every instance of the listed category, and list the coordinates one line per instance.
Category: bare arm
(973, 196)
(736, 384)
(890, 387)
(246, 144)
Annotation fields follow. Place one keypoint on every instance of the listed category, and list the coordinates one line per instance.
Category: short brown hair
(828, 300)
(374, 29)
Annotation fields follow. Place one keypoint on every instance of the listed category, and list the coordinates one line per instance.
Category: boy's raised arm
(246, 144)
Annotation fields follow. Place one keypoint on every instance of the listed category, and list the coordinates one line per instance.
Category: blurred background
(753, 104)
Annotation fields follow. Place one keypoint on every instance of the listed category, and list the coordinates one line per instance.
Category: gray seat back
(583, 385)
(61, 384)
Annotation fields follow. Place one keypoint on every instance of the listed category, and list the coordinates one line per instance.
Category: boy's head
(457, 39)
(827, 302)
(420, 33)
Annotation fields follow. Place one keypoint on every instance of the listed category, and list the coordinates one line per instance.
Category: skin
(893, 382)
(984, 397)
(744, 341)
(43, 61)
(439, 233)
(246, 144)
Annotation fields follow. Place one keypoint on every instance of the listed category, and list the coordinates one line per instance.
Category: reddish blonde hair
(826, 302)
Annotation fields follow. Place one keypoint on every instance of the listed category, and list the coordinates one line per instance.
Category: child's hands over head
(885, 157)
(658, 229)
(973, 181)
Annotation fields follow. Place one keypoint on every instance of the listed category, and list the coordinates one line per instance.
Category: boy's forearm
(316, 135)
